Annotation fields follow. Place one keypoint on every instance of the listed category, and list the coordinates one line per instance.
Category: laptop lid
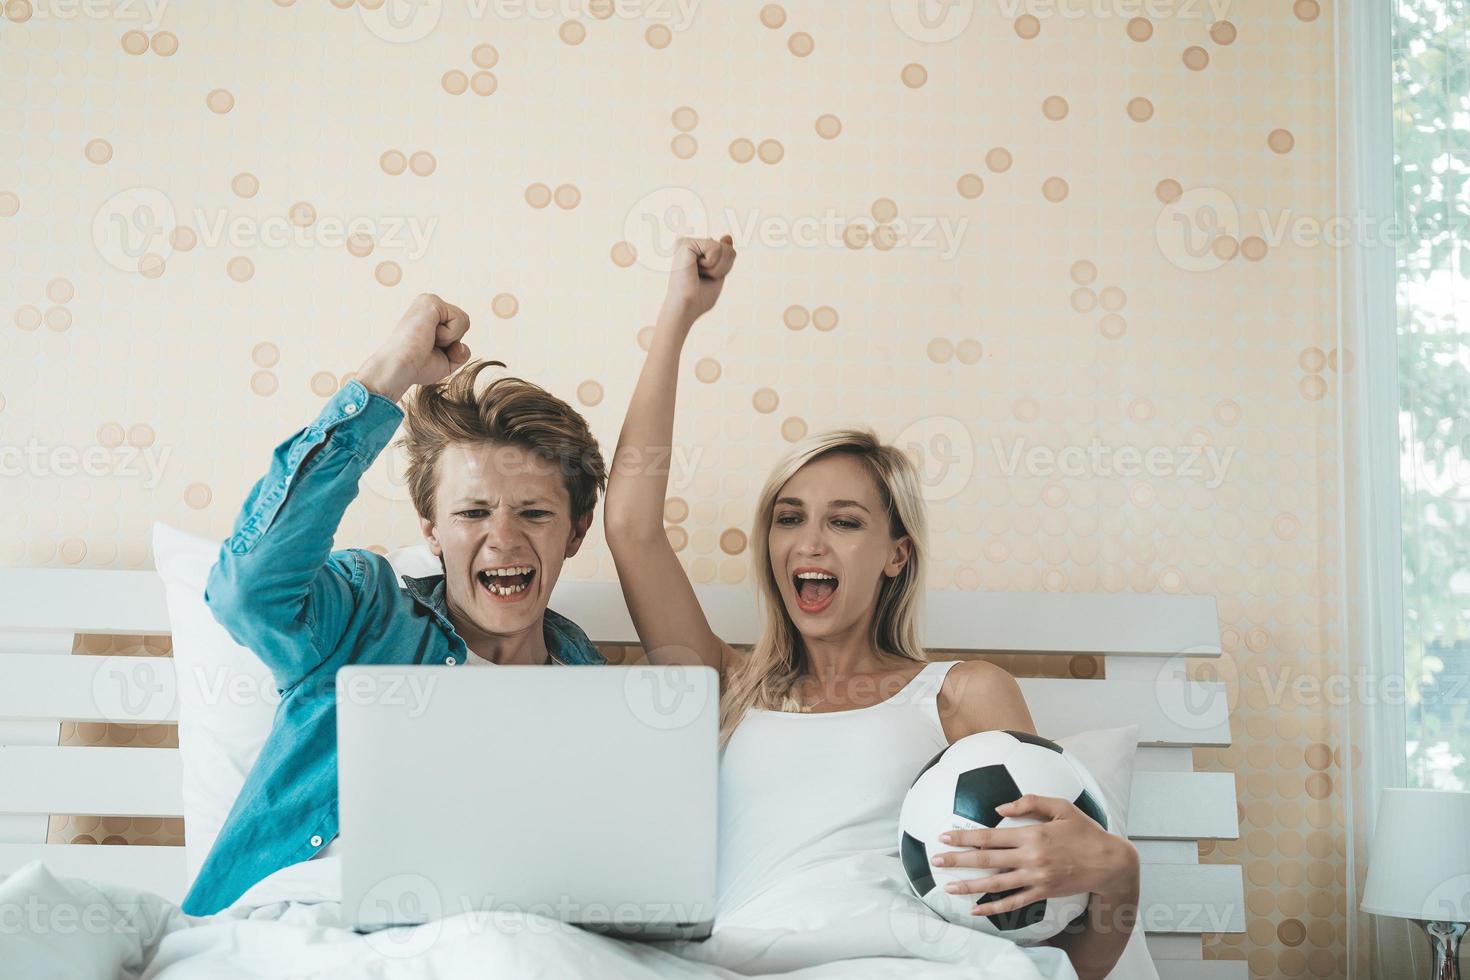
(584, 795)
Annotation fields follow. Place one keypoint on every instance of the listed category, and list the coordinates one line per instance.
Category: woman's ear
(426, 526)
(903, 550)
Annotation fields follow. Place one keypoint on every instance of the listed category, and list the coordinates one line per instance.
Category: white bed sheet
(852, 921)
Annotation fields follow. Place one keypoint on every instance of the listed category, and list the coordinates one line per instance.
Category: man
(504, 481)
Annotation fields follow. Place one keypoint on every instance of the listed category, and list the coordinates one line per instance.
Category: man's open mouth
(506, 581)
(814, 589)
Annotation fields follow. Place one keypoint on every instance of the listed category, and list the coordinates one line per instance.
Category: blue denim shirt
(306, 611)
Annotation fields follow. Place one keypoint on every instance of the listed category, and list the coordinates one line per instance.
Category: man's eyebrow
(518, 503)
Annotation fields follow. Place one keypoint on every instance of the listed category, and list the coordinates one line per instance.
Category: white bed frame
(1141, 637)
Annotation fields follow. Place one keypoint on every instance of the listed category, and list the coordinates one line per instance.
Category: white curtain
(1368, 564)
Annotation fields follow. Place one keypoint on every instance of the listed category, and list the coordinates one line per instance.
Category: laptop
(586, 795)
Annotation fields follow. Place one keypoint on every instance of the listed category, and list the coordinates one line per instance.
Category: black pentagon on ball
(916, 865)
(1088, 805)
(978, 792)
(1030, 739)
(1026, 915)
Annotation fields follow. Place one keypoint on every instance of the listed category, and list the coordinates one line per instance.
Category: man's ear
(579, 534)
(903, 550)
(426, 526)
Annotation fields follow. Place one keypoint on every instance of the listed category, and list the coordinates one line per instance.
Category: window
(1431, 39)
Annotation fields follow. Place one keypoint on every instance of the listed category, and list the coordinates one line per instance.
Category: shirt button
(350, 407)
(450, 660)
(316, 840)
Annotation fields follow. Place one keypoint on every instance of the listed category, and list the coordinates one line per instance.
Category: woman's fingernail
(940, 860)
(953, 887)
(946, 838)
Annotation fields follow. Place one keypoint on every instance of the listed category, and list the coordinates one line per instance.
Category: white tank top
(803, 789)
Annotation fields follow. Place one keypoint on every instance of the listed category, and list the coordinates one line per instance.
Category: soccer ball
(959, 789)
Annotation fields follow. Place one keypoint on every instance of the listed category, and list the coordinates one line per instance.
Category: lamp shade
(1419, 866)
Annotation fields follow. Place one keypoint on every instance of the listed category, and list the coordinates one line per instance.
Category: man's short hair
(509, 411)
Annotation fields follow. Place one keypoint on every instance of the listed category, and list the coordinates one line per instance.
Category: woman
(826, 722)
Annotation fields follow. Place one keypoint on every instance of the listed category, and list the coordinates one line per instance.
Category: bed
(1141, 642)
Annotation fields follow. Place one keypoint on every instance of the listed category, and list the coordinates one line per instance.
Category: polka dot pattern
(1040, 323)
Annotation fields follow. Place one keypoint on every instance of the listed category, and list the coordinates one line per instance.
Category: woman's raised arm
(665, 610)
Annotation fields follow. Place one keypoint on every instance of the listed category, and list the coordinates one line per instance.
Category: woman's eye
(788, 519)
(845, 523)
(472, 513)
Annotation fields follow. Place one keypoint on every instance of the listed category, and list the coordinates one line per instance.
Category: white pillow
(227, 696)
(1108, 754)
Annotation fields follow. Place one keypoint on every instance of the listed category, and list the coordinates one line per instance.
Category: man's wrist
(380, 381)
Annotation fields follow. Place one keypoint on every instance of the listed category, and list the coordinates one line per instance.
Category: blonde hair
(766, 678)
(509, 411)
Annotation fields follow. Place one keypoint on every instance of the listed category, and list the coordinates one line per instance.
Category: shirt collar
(565, 640)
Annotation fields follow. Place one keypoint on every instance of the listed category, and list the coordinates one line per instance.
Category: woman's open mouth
(509, 583)
(815, 589)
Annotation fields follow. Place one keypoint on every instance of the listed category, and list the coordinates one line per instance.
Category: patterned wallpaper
(1076, 255)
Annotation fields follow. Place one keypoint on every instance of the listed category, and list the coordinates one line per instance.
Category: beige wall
(1043, 294)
